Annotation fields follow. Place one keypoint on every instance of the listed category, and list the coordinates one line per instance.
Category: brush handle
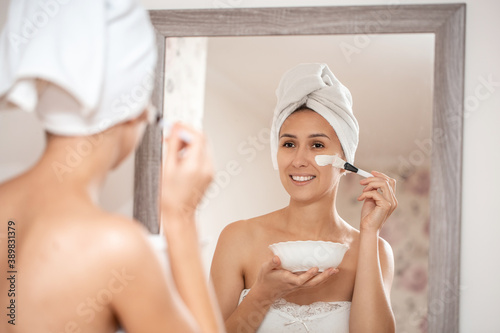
(364, 173)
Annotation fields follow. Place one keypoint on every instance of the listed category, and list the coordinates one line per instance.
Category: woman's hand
(187, 171)
(380, 201)
(275, 282)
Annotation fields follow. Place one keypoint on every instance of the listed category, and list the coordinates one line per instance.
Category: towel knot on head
(314, 86)
(82, 66)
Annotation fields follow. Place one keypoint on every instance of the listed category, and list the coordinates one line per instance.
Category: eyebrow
(315, 135)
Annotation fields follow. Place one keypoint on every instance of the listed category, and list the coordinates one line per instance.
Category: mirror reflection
(390, 79)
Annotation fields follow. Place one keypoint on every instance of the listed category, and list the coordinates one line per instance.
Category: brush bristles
(338, 162)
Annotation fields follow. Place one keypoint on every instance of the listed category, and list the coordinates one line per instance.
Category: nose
(301, 158)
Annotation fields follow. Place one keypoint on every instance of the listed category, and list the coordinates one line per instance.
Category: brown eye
(288, 145)
(318, 145)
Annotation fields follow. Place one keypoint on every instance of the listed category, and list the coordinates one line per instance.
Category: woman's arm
(187, 172)
(371, 310)
(142, 295)
(189, 274)
(227, 274)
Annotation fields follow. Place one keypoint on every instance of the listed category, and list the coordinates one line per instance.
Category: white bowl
(299, 256)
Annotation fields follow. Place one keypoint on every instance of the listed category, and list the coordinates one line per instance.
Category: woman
(72, 266)
(313, 117)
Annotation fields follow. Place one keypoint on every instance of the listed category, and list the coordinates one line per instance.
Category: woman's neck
(75, 164)
(313, 220)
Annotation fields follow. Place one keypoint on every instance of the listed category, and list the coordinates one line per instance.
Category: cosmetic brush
(337, 162)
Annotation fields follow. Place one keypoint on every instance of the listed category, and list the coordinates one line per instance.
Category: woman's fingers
(389, 180)
(383, 187)
(185, 144)
(180, 151)
(375, 185)
(173, 143)
(271, 264)
(385, 184)
(318, 279)
(379, 199)
(312, 277)
(279, 282)
(301, 279)
(187, 168)
(294, 280)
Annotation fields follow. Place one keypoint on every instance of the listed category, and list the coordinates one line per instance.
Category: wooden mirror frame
(445, 21)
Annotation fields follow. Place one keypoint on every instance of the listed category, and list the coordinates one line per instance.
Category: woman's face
(303, 135)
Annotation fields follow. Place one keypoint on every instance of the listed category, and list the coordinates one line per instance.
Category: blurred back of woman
(86, 69)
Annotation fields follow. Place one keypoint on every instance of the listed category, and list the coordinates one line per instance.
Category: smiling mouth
(302, 179)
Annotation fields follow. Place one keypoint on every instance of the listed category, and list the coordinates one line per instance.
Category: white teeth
(302, 178)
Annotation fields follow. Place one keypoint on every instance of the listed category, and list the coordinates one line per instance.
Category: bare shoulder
(99, 240)
(250, 230)
(76, 255)
(236, 229)
(235, 238)
(121, 239)
(239, 239)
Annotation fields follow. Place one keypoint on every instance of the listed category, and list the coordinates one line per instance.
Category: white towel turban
(83, 66)
(315, 86)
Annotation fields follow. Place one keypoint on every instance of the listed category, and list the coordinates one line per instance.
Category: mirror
(444, 22)
(391, 84)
